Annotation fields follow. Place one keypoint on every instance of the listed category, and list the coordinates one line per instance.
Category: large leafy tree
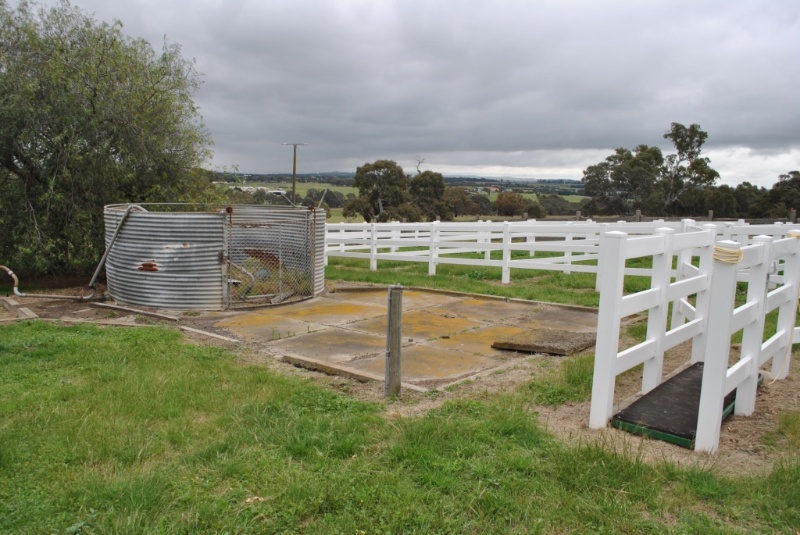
(685, 170)
(645, 179)
(460, 201)
(624, 180)
(427, 190)
(382, 192)
(785, 194)
(88, 116)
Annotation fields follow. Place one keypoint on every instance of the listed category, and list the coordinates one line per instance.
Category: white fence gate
(702, 292)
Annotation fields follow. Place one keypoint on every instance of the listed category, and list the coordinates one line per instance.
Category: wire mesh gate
(271, 254)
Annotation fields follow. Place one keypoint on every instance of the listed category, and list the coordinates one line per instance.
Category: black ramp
(669, 411)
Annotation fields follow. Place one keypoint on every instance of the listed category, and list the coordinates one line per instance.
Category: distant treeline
(555, 186)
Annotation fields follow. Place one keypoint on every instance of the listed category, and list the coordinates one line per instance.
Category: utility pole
(294, 169)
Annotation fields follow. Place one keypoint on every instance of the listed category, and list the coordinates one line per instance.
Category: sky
(497, 88)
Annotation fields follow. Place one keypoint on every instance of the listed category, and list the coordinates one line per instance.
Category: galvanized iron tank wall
(179, 256)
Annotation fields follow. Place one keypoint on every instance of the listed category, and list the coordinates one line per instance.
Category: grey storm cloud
(529, 88)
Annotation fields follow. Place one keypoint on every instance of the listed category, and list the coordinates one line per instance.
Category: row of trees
(386, 193)
(680, 184)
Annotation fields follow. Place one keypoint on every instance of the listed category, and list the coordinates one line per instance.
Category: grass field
(135, 431)
(122, 430)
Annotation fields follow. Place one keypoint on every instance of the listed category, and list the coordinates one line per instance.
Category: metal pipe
(93, 282)
(46, 296)
(111, 243)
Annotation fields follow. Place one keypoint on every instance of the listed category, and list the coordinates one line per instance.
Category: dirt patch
(748, 445)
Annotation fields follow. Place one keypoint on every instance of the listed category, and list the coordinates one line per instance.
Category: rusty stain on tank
(148, 266)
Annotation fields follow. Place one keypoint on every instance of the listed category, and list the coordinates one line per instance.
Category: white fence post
(568, 254)
(433, 248)
(531, 239)
(657, 315)
(487, 239)
(703, 301)
(753, 333)
(373, 247)
(506, 277)
(787, 312)
(395, 235)
(718, 344)
(611, 265)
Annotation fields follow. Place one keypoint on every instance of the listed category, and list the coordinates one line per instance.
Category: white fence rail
(703, 282)
(569, 246)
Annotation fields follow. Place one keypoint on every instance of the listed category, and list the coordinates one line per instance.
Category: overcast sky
(528, 89)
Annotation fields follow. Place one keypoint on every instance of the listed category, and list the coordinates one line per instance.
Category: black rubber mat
(669, 411)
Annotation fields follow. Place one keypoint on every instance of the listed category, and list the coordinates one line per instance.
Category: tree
(427, 193)
(686, 170)
(509, 203)
(622, 183)
(644, 179)
(460, 201)
(483, 202)
(382, 188)
(88, 117)
(785, 194)
(751, 201)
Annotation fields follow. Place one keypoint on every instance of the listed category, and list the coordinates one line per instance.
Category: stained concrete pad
(335, 345)
(550, 341)
(425, 362)
(479, 341)
(573, 320)
(412, 299)
(444, 336)
(490, 310)
(268, 328)
(420, 325)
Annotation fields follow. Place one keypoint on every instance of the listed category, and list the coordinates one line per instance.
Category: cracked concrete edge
(343, 371)
(10, 304)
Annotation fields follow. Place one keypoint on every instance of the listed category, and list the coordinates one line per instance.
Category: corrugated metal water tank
(186, 256)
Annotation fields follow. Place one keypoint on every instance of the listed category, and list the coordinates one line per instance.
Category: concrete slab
(320, 311)
(348, 329)
(268, 328)
(491, 310)
(412, 299)
(425, 362)
(479, 341)
(334, 345)
(419, 325)
(550, 341)
(567, 319)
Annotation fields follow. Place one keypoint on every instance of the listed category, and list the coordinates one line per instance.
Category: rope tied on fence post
(727, 255)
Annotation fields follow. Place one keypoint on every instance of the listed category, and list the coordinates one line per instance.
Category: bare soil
(748, 445)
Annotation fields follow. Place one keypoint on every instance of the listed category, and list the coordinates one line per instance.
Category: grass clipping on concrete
(135, 431)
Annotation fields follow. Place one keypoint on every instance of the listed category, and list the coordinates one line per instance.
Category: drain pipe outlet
(16, 280)
(45, 296)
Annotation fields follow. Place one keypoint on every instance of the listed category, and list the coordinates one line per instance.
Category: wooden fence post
(393, 342)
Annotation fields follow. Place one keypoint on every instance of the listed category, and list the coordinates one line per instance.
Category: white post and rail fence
(694, 272)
